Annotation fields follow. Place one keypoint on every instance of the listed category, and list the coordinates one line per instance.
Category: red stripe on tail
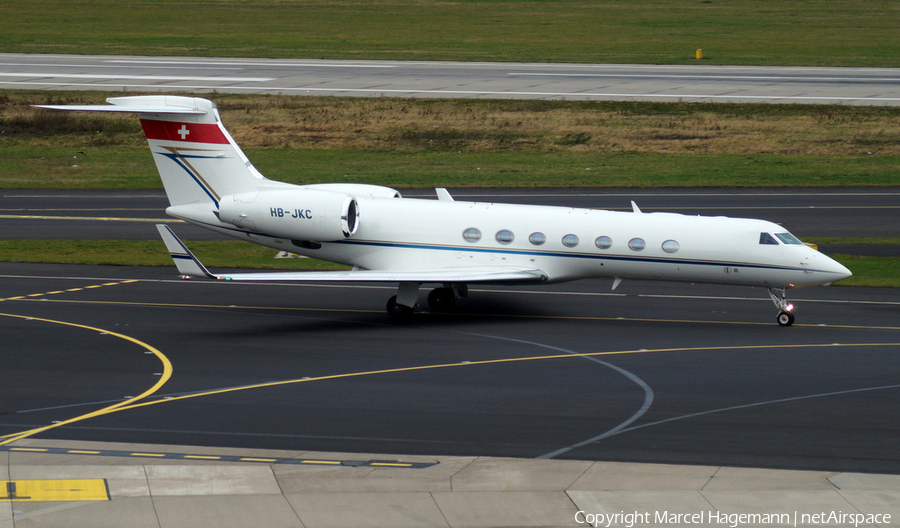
(187, 132)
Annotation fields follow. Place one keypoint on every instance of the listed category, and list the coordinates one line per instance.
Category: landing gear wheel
(441, 299)
(785, 314)
(785, 318)
(399, 312)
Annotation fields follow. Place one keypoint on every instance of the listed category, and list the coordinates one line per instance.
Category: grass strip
(882, 272)
(774, 32)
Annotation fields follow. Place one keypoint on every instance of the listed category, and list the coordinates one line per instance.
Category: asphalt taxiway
(650, 372)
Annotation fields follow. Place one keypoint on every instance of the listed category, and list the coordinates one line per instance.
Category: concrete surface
(453, 492)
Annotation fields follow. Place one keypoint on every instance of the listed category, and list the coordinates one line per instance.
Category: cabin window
(472, 235)
(788, 239)
(767, 240)
(603, 242)
(637, 244)
(537, 239)
(570, 240)
(505, 236)
(671, 246)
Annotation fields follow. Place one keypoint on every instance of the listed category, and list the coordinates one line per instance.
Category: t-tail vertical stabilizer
(198, 160)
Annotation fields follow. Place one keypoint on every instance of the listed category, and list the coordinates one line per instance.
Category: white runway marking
(713, 77)
(62, 75)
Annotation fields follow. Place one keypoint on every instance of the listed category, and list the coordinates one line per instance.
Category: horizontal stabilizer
(143, 104)
(131, 109)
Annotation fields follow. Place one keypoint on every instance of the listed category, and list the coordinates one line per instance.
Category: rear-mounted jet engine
(301, 214)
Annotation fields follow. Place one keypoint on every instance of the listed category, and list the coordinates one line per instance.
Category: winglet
(185, 261)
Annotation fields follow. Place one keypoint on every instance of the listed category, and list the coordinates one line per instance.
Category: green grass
(856, 240)
(38, 166)
(882, 272)
(574, 169)
(773, 32)
(25, 166)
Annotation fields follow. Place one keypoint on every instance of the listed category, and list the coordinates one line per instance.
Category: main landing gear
(402, 306)
(786, 309)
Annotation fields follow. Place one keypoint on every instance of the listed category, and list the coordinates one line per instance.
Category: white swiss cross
(183, 132)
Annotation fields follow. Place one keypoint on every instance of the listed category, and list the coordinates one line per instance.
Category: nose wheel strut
(786, 309)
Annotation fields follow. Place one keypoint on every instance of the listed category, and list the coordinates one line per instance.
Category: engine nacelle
(296, 214)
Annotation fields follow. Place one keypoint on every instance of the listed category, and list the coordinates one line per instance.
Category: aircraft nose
(836, 269)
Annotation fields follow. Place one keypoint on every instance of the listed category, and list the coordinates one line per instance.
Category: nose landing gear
(786, 309)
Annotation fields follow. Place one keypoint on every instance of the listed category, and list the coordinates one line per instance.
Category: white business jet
(386, 238)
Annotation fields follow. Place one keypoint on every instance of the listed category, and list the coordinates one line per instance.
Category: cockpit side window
(788, 239)
(767, 239)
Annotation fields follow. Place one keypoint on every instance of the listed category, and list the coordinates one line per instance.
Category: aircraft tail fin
(197, 159)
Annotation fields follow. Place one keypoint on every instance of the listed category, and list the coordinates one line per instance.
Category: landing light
(789, 307)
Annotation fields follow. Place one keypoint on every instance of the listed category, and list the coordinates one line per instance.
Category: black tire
(785, 319)
(398, 312)
(441, 299)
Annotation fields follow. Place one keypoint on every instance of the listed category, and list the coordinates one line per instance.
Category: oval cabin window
(570, 240)
(670, 246)
(603, 242)
(637, 244)
(537, 239)
(505, 236)
(472, 235)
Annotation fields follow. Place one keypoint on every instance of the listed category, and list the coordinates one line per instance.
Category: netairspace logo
(732, 520)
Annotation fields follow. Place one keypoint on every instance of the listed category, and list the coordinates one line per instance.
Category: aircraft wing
(190, 266)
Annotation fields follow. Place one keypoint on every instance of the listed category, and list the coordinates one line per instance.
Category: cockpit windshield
(788, 239)
(767, 239)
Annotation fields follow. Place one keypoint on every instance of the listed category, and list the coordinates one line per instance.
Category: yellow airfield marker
(53, 490)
